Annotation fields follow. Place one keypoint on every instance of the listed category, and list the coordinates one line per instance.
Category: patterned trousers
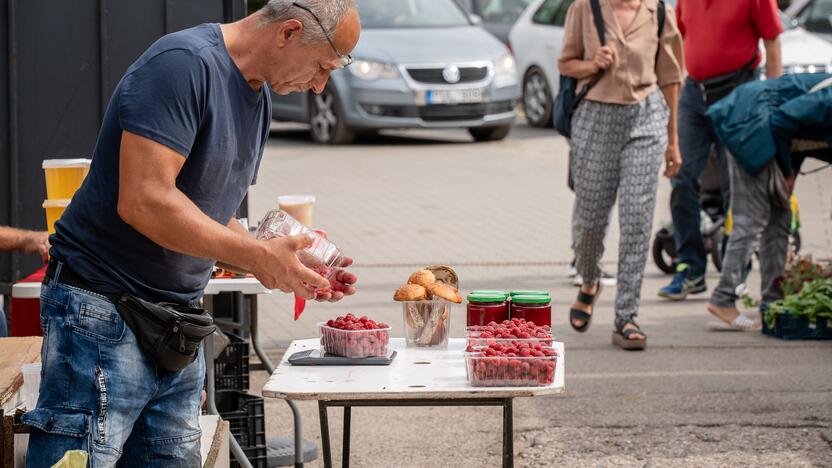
(618, 150)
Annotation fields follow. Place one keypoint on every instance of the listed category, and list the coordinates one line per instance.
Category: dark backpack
(568, 99)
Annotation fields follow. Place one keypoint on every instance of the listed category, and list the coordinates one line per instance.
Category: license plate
(453, 96)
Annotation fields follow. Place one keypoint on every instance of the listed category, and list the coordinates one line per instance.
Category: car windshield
(411, 14)
(501, 11)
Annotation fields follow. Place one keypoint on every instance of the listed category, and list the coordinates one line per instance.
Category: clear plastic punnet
(354, 343)
(322, 256)
(501, 371)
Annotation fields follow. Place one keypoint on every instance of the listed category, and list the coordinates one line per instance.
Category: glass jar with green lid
(535, 308)
(526, 292)
(485, 307)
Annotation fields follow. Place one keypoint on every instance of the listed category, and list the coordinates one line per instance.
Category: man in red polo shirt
(721, 52)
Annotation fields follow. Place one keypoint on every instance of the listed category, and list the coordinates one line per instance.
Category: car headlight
(369, 70)
(505, 71)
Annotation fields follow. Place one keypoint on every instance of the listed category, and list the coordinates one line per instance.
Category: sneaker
(606, 279)
(683, 283)
(573, 271)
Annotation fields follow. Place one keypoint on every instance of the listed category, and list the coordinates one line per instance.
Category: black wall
(59, 63)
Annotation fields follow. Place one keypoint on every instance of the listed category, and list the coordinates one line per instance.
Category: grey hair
(329, 12)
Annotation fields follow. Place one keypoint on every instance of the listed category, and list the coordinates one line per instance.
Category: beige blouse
(635, 72)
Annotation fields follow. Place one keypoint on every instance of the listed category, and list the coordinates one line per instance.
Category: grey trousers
(618, 150)
(753, 215)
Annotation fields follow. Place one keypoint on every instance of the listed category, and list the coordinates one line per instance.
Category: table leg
(345, 457)
(508, 434)
(267, 364)
(322, 409)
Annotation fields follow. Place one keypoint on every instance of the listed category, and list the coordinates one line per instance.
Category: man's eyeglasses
(346, 60)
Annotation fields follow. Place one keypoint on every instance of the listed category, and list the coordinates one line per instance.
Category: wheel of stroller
(664, 252)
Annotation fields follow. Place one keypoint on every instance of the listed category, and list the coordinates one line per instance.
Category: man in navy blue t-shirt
(178, 148)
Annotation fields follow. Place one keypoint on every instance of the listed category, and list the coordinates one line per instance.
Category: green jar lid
(531, 299)
(528, 293)
(486, 298)
(490, 291)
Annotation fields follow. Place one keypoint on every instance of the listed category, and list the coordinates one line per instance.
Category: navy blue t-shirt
(186, 93)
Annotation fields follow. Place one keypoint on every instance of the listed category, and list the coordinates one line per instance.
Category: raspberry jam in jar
(486, 307)
(533, 308)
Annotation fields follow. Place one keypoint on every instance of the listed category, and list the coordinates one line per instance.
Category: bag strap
(598, 17)
(662, 12)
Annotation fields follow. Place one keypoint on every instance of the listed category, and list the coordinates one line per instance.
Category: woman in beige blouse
(621, 132)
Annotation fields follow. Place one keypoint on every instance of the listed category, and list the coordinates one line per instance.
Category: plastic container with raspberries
(521, 364)
(509, 331)
(353, 337)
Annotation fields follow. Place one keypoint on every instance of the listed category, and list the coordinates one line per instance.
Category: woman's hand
(672, 161)
(604, 58)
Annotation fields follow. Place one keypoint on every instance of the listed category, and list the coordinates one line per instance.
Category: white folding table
(416, 377)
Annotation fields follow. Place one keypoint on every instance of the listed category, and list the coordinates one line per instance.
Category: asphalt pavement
(500, 214)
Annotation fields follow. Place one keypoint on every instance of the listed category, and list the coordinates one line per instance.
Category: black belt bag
(718, 87)
(169, 334)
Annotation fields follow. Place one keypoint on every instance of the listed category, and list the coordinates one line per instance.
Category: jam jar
(533, 308)
(486, 307)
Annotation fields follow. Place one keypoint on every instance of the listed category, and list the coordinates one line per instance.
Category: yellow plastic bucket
(54, 210)
(64, 177)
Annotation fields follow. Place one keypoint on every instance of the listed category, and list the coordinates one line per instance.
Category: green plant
(814, 300)
(801, 270)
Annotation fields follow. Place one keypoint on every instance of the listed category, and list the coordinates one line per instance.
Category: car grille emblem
(451, 74)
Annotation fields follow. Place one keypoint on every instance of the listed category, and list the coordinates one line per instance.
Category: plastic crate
(258, 456)
(231, 368)
(245, 415)
(790, 327)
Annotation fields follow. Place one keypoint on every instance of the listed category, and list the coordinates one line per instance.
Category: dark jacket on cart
(761, 120)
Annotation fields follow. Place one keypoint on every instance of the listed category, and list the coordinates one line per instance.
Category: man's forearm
(172, 220)
(774, 64)
(235, 225)
(11, 239)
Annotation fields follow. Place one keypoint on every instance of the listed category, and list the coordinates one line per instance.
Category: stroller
(715, 225)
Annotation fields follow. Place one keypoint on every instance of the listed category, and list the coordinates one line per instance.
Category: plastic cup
(298, 206)
(54, 211)
(64, 176)
(31, 384)
(427, 323)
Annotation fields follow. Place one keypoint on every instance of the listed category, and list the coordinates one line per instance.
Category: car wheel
(326, 120)
(537, 98)
(490, 133)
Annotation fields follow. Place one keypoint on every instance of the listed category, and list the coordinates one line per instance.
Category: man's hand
(280, 268)
(672, 161)
(36, 243)
(340, 285)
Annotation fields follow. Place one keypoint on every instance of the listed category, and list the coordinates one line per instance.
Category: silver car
(418, 64)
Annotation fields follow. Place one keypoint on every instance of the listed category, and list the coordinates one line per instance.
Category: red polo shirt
(723, 35)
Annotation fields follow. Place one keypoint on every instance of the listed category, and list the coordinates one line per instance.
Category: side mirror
(476, 20)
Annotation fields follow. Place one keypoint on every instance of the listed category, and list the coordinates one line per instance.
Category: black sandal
(621, 336)
(577, 314)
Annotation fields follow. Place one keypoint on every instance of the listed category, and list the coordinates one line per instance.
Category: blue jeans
(696, 139)
(4, 327)
(100, 393)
